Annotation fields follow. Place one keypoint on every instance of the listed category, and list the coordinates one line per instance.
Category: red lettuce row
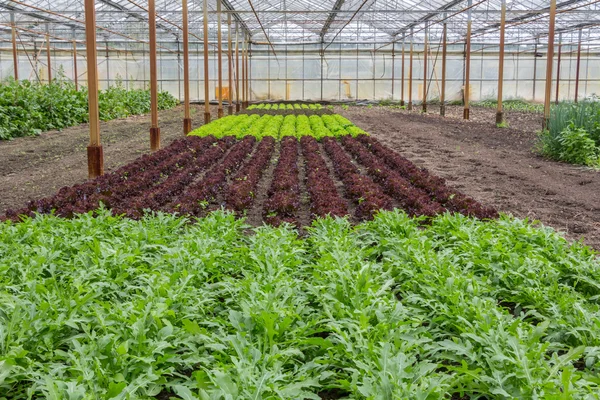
(414, 200)
(435, 186)
(284, 193)
(324, 198)
(193, 200)
(240, 193)
(176, 183)
(83, 197)
(368, 196)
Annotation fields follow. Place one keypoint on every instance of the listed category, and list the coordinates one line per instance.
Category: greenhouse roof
(323, 23)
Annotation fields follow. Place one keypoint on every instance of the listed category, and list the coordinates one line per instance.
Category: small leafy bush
(573, 145)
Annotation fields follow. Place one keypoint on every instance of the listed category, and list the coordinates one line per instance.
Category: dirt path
(34, 167)
(495, 166)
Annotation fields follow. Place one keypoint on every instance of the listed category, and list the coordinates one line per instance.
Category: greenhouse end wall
(345, 72)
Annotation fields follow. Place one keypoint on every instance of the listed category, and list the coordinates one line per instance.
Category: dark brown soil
(494, 165)
(35, 167)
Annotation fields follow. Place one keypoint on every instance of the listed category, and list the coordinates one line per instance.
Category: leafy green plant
(29, 108)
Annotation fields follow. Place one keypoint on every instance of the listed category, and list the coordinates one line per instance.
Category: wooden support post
(499, 110)
(14, 50)
(443, 94)
(402, 78)
(219, 62)
(75, 74)
(94, 149)
(424, 104)
(154, 129)
(187, 119)
(237, 70)
(48, 58)
(410, 72)
(558, 66)
(230, 67)
(206, 80)
(578, 68)
(549, 60)
(467, 68)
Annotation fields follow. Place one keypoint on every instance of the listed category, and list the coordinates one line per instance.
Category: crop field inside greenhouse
(366, 199)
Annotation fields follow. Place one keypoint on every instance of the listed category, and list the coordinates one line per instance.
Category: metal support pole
(424, 104)
(237, 70)
(402, 78)
(322, 55)
(94, 149)
(443, 94)
(535, 49)
(230, 67)
(410, 72)
(393, 67)
(206, 82)
(549, 60)
(154, 129)
(578, 68)
(49, 60)
(558, 66)
(499, 111)
(75, 74)
(187, 119)
(248, 72)
(220, 62)
(14, 48)
(467, 67)
(243, 77)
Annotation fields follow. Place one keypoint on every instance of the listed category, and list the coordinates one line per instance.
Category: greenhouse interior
(345, 199)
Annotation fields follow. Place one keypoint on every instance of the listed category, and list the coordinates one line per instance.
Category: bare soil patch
(35, 167)
(493, 165)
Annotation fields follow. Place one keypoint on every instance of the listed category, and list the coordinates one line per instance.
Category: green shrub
(573, 145)
(29, 108)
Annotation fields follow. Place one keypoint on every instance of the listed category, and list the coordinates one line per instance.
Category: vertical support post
(154, 129)
(14, 47)
(220, 61)
(49, 60)
(549, 60)
(321, 53)
(243, 72)
(393, 67)
(402, 77)
(535, 51)
(237, 70)
(558, 66)
(443, 94)
(230, 67)
(94, 149)
(248, 55)
(467, 66)
(424, 104)
(578, 68)
(75, 73)
(187, 119)
(410, 71)
(206, 82)
(499, 110)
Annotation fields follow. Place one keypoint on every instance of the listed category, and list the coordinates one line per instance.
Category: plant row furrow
(240, 194)
(84, 197)
(361, 189)
(175, 184)
(284, 193)
(324, 198)
(435, 186)
(414, 200)
(193, 200)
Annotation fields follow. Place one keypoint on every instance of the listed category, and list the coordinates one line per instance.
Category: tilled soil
(494, 165)
(34, 167)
